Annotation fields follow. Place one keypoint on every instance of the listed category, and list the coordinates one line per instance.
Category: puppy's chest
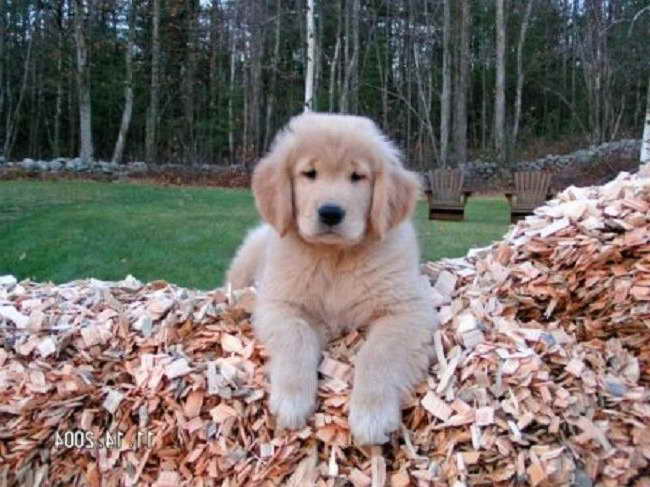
(339, 297)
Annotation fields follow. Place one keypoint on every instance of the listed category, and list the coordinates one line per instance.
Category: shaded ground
(65, 230)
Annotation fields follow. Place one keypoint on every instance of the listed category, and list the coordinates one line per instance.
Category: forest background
(211, 81)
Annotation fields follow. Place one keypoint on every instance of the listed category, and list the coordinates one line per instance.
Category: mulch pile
(542, 377)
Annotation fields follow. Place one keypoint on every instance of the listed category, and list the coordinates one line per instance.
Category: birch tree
(645, 142)
(311, 51)
(82, 16)
(500, 89)
(128, 88)
(152, 113)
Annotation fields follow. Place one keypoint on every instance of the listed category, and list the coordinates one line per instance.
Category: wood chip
(112, 401)
(436, 406)
(177, 368)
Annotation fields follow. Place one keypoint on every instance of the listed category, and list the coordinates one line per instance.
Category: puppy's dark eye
(356, 177)
(310, 174)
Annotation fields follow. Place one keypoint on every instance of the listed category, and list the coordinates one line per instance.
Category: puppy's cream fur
(315, 281)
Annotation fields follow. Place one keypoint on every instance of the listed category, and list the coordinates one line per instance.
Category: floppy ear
(272, 187)
(394, 197)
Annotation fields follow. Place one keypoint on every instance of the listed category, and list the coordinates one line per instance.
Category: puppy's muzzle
(331, 214)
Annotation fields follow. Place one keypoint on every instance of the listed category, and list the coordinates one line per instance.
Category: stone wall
(76, 165)
(478, 173)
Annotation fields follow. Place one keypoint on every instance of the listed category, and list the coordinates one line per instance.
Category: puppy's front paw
(292, 403)
(373, 416)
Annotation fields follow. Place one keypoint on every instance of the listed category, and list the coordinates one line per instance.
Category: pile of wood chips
(542, 376)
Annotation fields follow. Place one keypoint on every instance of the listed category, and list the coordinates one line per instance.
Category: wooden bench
(532, 189)
(445, 193)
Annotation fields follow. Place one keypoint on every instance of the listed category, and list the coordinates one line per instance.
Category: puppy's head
(334, 179)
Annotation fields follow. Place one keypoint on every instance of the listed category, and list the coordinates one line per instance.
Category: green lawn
(65, 230)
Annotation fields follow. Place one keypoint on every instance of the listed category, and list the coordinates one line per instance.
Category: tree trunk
(354, 71)
(36, 97)
(311, 51)
(335, 58)
(347, 61)
(128, 89)
(484, 106)
(56, 146)
(520, 71)
(270, 105)
(152, 113)
(255, 84)
(645, 142)
(425, 103)
(460, 121)
(445, 98)
(11, 126)
(213, 76)
(73, 134)
(500, 89)
(3, 31)
(189, 75)
(231, 92)
(84, 9)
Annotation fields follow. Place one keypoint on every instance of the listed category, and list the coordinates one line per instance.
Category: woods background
(211, 81)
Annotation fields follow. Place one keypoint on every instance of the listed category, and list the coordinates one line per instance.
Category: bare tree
(82, 16)
(645, 142)
(460, 113)
(3, 31)
(188, 70)
(445, 97)
(354, 71)
(335, 58)
(152, 113)
(500, 89)
(311, 50)
(231, 91)
(58, 110)
(13, 116)
(520, 70)
(128, 88)
(213, 75)
(349, 90)
(270, 104)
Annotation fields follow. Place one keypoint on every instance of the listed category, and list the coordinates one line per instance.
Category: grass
(66, 230)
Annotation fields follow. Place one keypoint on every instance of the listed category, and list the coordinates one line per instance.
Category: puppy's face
(332, 197)
(334, 179)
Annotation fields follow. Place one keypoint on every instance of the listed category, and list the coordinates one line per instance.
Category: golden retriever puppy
(337, 252)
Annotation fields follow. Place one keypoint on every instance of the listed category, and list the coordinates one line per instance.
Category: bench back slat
(532, 186)
(446, 184)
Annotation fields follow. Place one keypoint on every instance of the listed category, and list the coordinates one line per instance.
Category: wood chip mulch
(542, 377)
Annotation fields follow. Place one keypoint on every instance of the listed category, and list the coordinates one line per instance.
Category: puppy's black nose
(331, 214)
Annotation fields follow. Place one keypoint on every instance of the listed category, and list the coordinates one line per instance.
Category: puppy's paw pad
(372, 421)
(291, 410)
